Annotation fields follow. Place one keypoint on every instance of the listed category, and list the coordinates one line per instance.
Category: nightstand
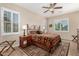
(24, 41)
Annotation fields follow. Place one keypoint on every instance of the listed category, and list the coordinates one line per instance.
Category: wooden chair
(74, 37)
(2, 50)
(6, 45)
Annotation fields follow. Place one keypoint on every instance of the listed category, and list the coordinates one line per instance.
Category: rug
(61, 50)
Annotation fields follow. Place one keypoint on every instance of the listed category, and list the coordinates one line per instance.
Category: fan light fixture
(52, 7)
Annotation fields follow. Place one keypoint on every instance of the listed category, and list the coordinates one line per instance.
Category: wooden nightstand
(24, 41)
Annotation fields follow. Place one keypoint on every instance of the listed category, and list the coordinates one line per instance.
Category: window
(15, 22)
(61, 25)
(10, 21)
(7, 22)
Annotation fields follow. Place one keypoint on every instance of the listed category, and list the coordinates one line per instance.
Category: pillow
(39, 32)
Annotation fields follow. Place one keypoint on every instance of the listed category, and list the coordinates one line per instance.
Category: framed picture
(50, 25)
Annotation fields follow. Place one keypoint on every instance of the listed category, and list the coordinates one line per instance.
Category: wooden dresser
(24, 41)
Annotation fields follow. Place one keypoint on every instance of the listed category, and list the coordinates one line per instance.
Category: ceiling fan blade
(46, 11)
(54, 4)
(58, 7)
(51, 5)
(52, 11)
(46, 7)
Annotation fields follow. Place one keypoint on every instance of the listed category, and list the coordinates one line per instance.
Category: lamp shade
(43, 27)
(24, 27)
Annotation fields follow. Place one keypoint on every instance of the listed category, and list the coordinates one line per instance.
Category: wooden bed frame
(43, 41)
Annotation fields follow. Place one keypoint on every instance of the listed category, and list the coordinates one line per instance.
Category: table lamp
(44, 28)
(24, 28)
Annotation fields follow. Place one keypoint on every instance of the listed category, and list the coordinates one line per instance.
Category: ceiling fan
(51, 8)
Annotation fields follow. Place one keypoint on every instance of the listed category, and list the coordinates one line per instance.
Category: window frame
(2, 21)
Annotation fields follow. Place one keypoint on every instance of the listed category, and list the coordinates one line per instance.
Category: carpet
(61, 50)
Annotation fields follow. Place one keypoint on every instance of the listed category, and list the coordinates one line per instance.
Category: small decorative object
(50, 25)
(25, 42)
(24, 28)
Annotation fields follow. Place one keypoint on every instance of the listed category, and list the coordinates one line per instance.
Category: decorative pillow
(32, 32)
(39, 32)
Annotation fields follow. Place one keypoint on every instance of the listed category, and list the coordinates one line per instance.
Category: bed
(46, 41)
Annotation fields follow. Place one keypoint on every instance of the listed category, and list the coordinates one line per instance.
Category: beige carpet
(32, 50)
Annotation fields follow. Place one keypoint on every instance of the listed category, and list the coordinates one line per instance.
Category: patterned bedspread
(46, 41)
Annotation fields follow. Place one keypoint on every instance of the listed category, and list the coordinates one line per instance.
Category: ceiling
(37, 8)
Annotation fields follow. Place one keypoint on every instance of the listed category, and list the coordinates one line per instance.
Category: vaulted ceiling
(37, 8)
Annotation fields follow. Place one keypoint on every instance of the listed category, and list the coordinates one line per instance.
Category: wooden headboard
(32, 28)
